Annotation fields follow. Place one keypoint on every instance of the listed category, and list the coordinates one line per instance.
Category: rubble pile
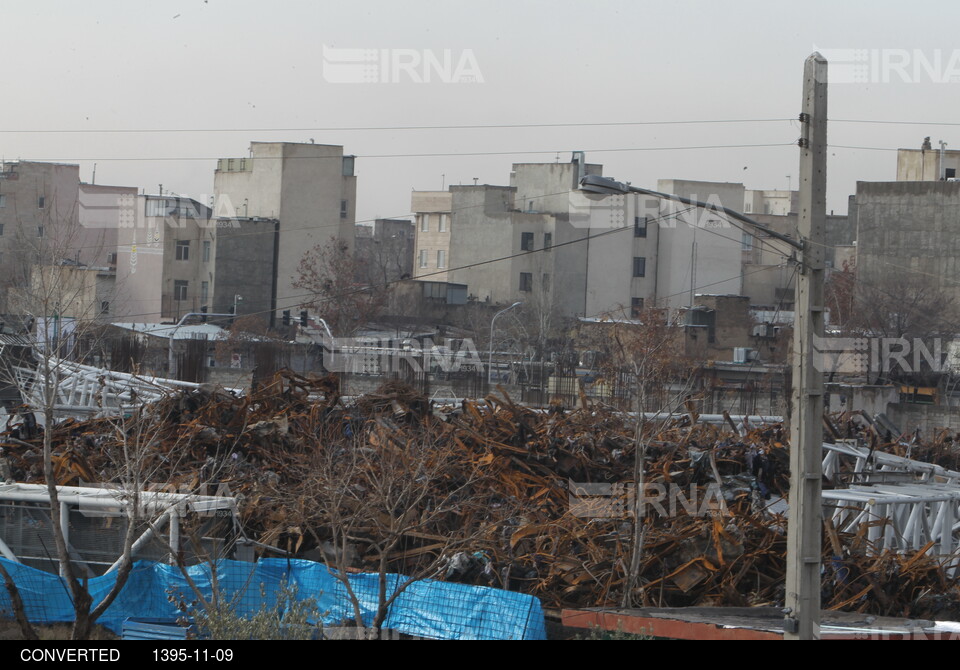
(537, 500)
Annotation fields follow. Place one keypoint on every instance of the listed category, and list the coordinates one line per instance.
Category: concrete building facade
(165, 260)
(310, 189)
(909, 230)
(928, 163)
(246, 248)
(547, 241)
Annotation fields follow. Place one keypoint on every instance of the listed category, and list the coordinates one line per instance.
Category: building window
(747, 208)
(423, 258)
(639, 266)
(545, 282)
(105, 307)
(547, 240)
(443, 223)
(639, 226)
(40, 202)
(1, 230)
(746, 241)
(112, 258)
(39, 231)
(526, 241)
(204, 291)
(526, 281)
(206, 251)
(343, 209)
(3, 201)
(180, 290)
(183, 250)
(424, 223)
(636, 307)
(441, 258)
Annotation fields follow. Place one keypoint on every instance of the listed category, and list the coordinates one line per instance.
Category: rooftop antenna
(93, 180)
(475, 180)
(443, 182)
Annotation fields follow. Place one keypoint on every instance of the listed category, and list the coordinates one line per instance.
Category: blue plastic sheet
(427, 608)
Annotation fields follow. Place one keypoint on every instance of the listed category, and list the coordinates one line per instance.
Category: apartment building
(165, 260)
(543, 239)
(928, 163)
(46, 222)
(308, 189)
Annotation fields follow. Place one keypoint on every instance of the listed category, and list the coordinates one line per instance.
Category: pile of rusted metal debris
(532, 500)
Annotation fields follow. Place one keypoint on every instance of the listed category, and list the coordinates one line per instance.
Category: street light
(802, 581)
(236, 299)
(593, 183)
(490, 353)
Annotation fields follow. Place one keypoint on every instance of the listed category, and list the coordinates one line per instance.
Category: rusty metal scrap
(515, 473)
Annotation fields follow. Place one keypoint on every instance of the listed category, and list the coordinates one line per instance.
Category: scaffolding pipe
(174, 537)
(7, 552)
(143, 539)
(64, 529)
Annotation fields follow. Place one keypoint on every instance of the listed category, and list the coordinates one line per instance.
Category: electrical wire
(421, 155)
(337, 129)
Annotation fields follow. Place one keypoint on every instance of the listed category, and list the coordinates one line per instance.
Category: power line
(421, 155)
(74, 248)
(444, 271)
(847, 146)
(899, 123)
(478, 126)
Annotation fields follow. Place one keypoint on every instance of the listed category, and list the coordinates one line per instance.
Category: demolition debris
(494, 493)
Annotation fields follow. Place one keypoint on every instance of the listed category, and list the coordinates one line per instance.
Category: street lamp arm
(605, 186)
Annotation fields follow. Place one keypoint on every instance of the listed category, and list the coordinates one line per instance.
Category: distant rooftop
(199, 331)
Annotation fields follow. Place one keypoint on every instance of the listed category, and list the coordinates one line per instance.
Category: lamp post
(605, 186)
(236, 298)
(490, 353)
(802, 582)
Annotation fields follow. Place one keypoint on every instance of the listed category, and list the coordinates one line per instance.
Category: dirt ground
(9, 630)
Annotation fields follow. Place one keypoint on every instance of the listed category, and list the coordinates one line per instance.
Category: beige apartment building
(542, 239)
(165, 260)
(928, 163)
(310, 190)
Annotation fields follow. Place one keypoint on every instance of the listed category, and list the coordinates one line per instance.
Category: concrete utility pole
(802, 615)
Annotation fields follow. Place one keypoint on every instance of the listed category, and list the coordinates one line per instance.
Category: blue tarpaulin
(427, 608)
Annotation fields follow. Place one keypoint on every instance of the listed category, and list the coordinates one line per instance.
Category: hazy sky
(252, 67)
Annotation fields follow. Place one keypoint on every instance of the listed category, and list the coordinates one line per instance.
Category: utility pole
(802, 601)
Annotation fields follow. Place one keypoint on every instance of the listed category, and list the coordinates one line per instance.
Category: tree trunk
(19, 612)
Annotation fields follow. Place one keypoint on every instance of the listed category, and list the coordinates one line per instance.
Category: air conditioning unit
(765, 330)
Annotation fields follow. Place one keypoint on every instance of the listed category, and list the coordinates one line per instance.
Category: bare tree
(646, 350)
(328, 272)
(61, 298)
(385, 503)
